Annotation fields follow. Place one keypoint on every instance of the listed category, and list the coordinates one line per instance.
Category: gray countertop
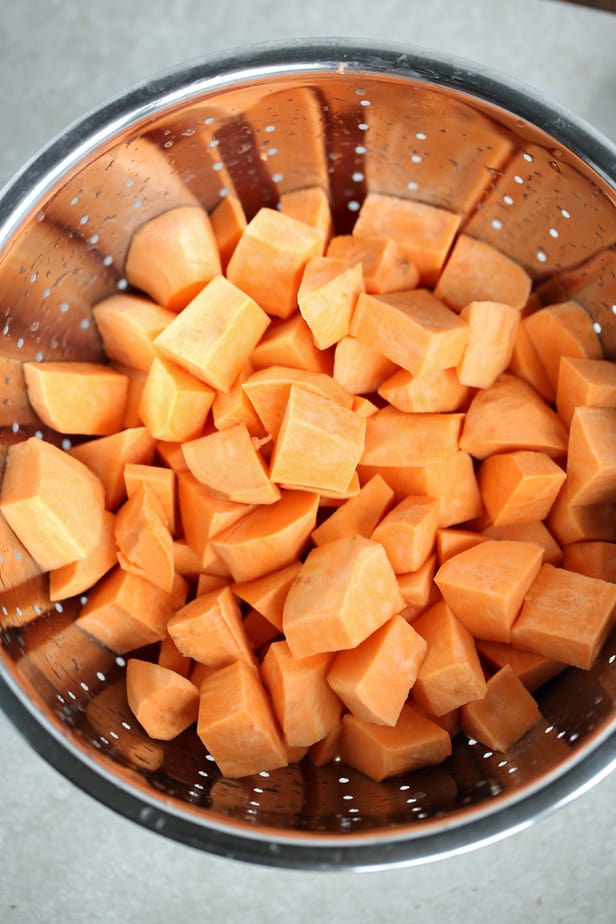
(65, 858)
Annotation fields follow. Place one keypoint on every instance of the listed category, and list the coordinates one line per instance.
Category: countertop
(66, 858)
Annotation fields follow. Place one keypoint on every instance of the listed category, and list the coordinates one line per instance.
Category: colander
(530, 179)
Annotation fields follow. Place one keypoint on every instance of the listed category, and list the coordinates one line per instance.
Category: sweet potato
(584, 383)
(359, 367)
(559, 330)
(565, 616)
(173, 256)
(290, 342)
(107, 458)
(413, 329)
(272, 239)
(327, 295)
(381, 751)
(215, 334)
(591, 459)
(394, 651)
(306, 706)
(164, 702)
(520, 486)
(477, 271)
(128, 325)
(77, 397)
(485, 585)
(451, 673)
(358, 593)
(174, 404)
(234, 709)
(425, 233)
(385, 265)
(407, 532)
(44, 496)
(358, 515)
(503, 715)
(209, 629)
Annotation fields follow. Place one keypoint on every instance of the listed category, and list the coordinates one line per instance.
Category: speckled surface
(65, 858)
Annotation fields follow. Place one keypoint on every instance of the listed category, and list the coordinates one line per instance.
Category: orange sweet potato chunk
(53, 503)
(385, 265)
(591, 460)
(413, 329)
(565, 616)
(173, 256)
(408, 532)
(511, 415)
(128, 325)
(213, 337)
(451, 673)
(425, 233)
(503, 715)
(164, 702)
(520, 486)
(357, 593)
(269, 259)
(584, 382)
(306, 706)
(234, 709)
(77, 397)
(477, 271)
(319, 444)
(381, 751)
(210, 630)
(327, 295)
(374, 679)
(485, 585)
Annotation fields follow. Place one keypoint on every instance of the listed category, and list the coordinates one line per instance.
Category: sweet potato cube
(108, 456)
(128, 325)
(591, 460)
(357, 593)
(173, 256)
(520, 486)
(407, 533)
(450, 541)
(203, 515)
(511, 415)
(506, 712)
(269, 537)
(485, 585)
(394, 438)
(268, 392)
(526, 364)
(145, 544)
(174, 404)
(213, 337)
(358, 515)
(234, 709)
(290, 342)
(360, 367)
(229, 465)
(477, 271)
(269, 259)
(451, 673)
(424, 232)
(565, 616)
(268, 593)
(310, 205)
(432, 392)
(570, 522)
(536, 532)
(319, 443)
(594, 559)
(374, 679)
(77, 397)
(79, 576)
(228, 222)
(418, 586)
(161, 481)
(209, 629)
(559, 330)
(125, 611)
(381, 751)
(533, 669)
(584, 382)
(53, 503)
(492, 330)
(326, 297)
(413, 329)
(385, 265)
(164, 702)
(306, 706)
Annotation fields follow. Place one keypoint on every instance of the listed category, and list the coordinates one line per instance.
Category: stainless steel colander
(529, 179)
